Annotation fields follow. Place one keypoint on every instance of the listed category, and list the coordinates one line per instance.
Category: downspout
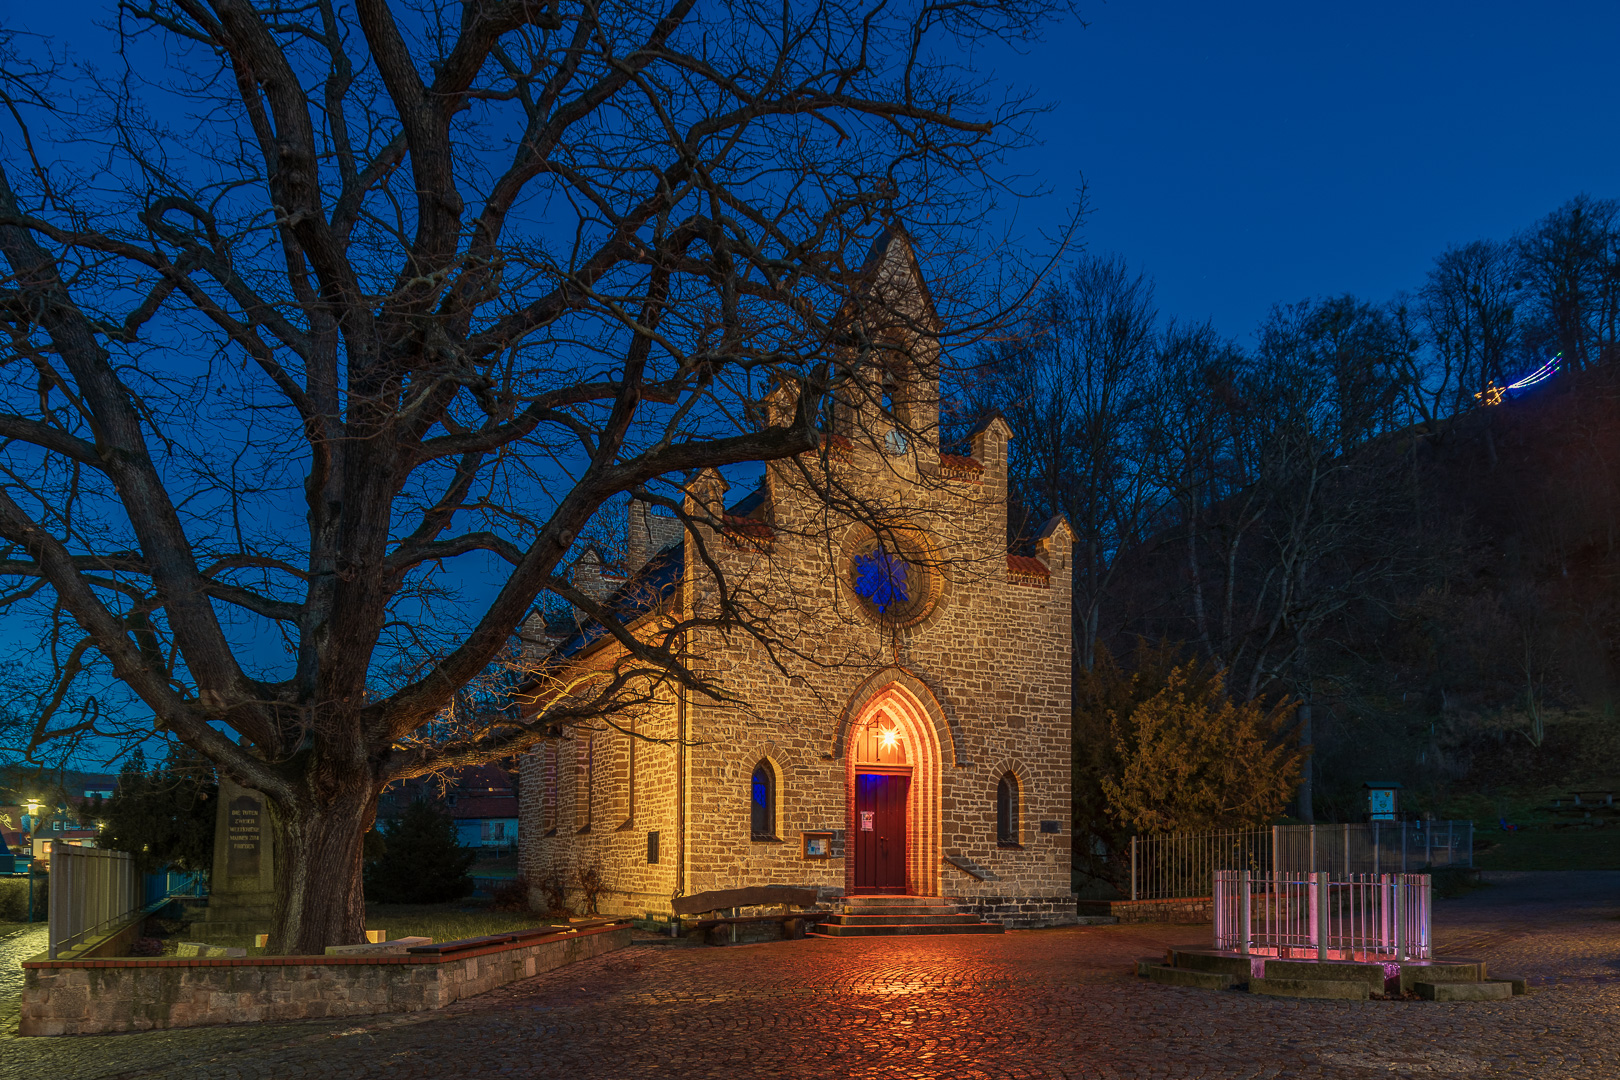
(680, 791)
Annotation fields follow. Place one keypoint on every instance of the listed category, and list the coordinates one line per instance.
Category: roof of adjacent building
(485, 806)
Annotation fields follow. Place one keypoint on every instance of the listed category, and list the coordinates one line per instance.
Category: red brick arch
(946, 734)
(897, 703)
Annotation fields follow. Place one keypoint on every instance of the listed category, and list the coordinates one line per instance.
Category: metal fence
(90, 889)
(1183, 865)
(1316, 916)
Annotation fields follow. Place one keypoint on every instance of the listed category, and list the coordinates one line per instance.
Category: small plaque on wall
(1051, 826)
(817, 845)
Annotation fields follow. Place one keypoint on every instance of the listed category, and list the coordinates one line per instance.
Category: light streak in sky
(1545, 371)
(1493, 394)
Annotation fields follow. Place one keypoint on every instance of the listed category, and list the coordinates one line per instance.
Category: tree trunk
(320, 898)
(1307, 812)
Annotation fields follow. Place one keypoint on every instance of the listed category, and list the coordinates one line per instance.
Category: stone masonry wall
(1184, 909)
(596, 813)
(994, 656)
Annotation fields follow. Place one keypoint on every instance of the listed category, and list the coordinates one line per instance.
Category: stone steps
(831, 929)
(903, 919)
(902, 916)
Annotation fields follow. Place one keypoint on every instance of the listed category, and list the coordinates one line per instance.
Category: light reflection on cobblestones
(1036, 1004)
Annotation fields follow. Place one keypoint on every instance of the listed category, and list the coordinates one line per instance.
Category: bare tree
(309, 307)
(1282, 494)
(1468, 306)
(1570, 263)
(1074, 382)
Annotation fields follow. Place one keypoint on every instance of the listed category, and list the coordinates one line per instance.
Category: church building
(896, 717)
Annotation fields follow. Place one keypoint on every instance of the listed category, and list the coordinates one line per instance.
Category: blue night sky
(1258, 153)
(1254, 153)
(1262, 152)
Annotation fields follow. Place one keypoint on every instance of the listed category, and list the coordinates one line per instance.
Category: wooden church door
(880, 832)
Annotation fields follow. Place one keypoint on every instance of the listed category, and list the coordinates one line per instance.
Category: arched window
(764, 802)
(1007, 809)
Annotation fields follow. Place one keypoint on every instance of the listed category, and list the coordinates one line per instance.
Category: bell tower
(888, 397)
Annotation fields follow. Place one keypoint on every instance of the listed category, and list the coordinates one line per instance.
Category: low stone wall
(1181, 909)
(1020, 912)
(80, 997)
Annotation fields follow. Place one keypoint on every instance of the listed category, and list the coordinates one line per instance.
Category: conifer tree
(1191, 759)
(420, 863)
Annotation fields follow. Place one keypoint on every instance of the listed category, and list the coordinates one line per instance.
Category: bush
(14, 898)
(511, 895)
(420, 862)
(555, 894)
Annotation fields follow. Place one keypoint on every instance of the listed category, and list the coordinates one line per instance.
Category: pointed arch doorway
(893, 795)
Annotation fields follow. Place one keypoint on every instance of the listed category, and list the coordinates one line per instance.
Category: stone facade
(82, 997)
(973, 684)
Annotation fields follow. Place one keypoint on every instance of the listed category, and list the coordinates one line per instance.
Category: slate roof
(473, 807)
(652, 587)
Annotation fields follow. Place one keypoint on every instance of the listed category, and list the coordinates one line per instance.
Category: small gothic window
(891, 392)
(764, 803)
(1007, 810)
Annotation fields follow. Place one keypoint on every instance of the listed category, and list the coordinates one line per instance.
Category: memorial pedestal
(242, 887)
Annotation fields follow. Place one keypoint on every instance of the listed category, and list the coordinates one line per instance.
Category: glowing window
(764, 803)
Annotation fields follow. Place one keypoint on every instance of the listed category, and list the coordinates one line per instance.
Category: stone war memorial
(907, 758)
(242, 885)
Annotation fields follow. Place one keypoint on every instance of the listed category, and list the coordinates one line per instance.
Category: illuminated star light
(1493, 394)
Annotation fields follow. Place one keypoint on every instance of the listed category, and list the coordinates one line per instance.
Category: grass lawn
(441, 922)
(449, 922)
(1538, 849)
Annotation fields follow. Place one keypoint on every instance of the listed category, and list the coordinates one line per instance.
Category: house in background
(46, 810)
(482, 800)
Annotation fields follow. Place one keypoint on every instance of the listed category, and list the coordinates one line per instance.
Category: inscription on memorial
(244, 836)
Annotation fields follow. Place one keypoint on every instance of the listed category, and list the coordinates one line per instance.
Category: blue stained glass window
(763, 825)
(881, 578)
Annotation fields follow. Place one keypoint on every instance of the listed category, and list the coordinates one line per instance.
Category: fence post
(1375, 849)
(1323, 908)
(1347, 849)
(1244, 922)
(1400, 917)
(1428, 845)
(1403, 847)
(1313, 849)
(1133, 867)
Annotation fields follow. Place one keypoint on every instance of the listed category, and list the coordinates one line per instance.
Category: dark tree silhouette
(307, 307)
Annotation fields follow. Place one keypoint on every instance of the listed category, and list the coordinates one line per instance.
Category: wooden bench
(719, 901)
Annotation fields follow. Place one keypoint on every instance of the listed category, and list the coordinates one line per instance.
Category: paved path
(15, 947)
(1054, 1003)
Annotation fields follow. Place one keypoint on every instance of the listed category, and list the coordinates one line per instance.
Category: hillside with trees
(1400, 514)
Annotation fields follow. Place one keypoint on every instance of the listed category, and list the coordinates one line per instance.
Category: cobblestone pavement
(1050, 1003)
(15, 947)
